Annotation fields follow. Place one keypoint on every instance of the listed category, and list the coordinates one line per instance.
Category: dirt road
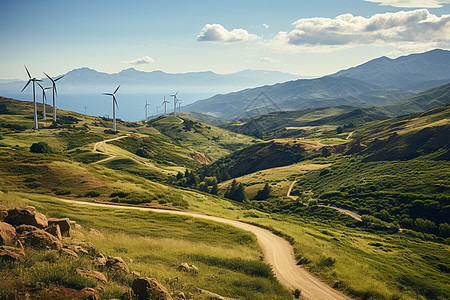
(103, 143)
(277, 252)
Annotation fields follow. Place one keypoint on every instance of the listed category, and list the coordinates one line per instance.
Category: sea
(131, 106)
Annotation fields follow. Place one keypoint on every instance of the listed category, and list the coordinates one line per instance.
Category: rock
(150, 289)
(78, 226)
(96, 233)
(117, 264)
(8, 253)
(93, 274)
(90, 294)
(78, 249)
(7, 233)
(211, 295)
(22, 228)
(64, 225)
(180, 296)
(3, 212)
(89, 247)
(100, 261)
(54, 230)
(68, 252)
(187, 268)
(40, 239)
(27, 215)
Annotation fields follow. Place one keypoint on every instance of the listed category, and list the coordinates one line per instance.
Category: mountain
(416, 71)
(88, 80)
(298, 94)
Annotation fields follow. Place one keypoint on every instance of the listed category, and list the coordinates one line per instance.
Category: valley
(392, 172)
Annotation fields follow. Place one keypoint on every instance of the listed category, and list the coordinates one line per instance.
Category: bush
(92, 194)
(41, 147)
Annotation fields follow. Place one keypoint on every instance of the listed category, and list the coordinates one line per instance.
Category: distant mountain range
(86, 80)
(413, 72)
(376, 82)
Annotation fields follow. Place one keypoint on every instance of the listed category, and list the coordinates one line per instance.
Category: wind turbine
(165, 103)
(145, 107)
(55, 92)
(174, 103)
(34, 95)
(157, 111)
(44, 99)
(114, 106)
(179, 104)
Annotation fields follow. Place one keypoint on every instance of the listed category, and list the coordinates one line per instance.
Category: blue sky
(301, 37)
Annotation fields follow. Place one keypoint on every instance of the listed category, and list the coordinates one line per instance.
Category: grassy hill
(367, 260)
(302, 123)
(429, 99)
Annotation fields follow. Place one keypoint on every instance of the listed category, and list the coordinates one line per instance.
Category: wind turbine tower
(174, 103)
(32, 79)
(165, 103)
(145, 107)
(114, 106)
(55, 92)
(44, 99)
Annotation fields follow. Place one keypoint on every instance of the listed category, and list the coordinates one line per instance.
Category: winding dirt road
(277, 252)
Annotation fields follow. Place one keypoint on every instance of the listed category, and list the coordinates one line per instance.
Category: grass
(154, 244)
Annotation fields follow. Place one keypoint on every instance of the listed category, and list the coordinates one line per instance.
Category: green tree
(214, 189)
(41, 147)
(264, 193)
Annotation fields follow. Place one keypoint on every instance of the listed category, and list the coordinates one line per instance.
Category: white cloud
(345, 31)
(269, 60)
(412, 3)
(265, 25)
(141, 61)
(217, 33)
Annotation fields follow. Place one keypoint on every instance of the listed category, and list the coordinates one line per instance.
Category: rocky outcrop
(63, 223)
(117, 264)
(92, 274)
(54, 230)
(7, 233)
(68, 252)
(8, 253)
(39, 238)
(187, 268)
(202, 158)
(27, 215)
(211, 295)
(150, 289)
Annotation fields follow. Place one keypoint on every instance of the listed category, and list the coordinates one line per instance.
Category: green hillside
(302, 123)
(160, 164)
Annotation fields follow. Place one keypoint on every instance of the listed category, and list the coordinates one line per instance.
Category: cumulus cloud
(412, 3)
(217, 33)
(265, 25)
(344, 31)
(269, 60)
(141, 61)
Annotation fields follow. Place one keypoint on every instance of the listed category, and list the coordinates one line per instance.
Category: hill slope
(294, 95)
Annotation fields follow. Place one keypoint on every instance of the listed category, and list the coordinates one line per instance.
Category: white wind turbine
(30, 79)
(145, 107)
(165, 103)
(174, 103)
(114, 106)
(44, 99)
(55, 92)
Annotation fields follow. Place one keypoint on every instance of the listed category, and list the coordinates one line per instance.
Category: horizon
(313, 39)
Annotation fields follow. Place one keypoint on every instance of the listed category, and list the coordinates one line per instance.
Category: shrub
(92, 194)
(41, 147)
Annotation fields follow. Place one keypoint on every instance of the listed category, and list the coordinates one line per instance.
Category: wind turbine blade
(40, 85)
(49, 77)
(59, 78)
(176, 93)
(115, 101)
(108, 94)
(25, 85)
(116, 89)
(29, 76)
